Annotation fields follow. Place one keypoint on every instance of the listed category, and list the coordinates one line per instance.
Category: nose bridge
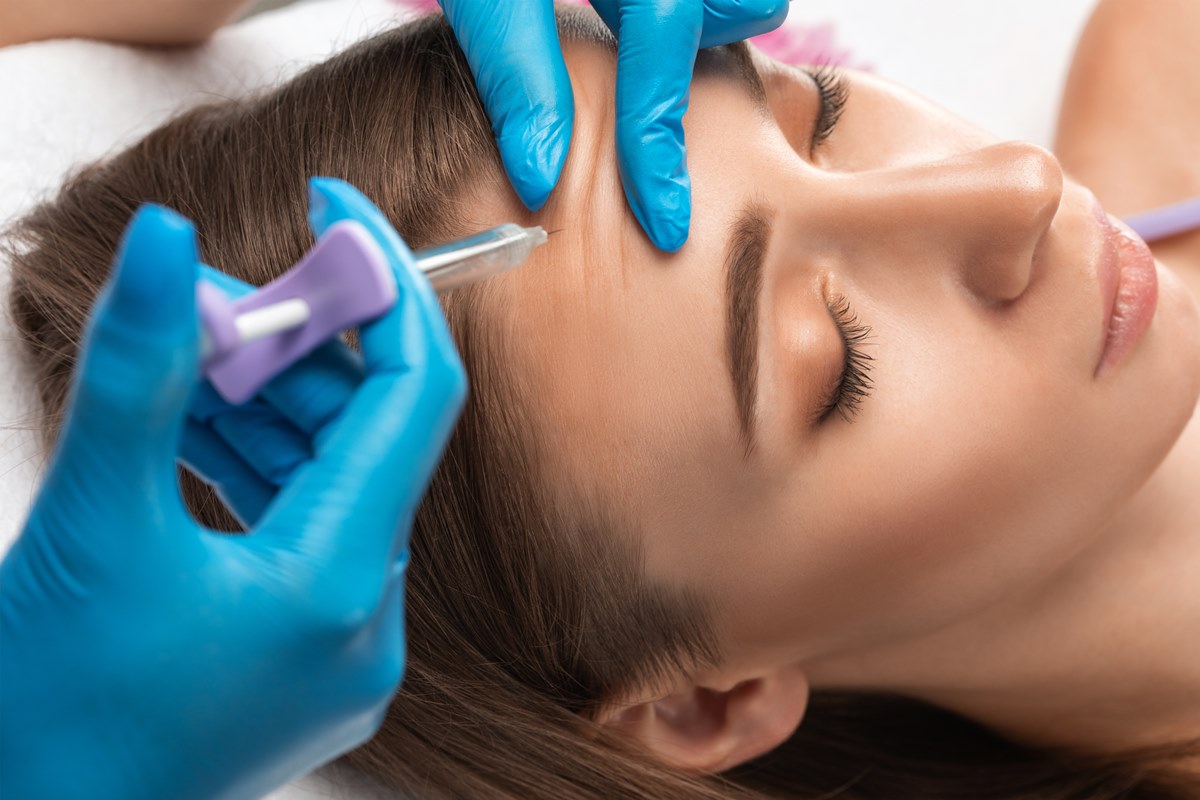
(985, 212)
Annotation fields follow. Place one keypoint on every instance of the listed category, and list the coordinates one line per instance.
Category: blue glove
(247, 452)
(513, 49)
(158, 659)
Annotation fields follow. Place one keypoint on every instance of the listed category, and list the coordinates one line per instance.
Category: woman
(841, 495)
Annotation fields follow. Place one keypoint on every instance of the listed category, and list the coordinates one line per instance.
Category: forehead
(620, 347)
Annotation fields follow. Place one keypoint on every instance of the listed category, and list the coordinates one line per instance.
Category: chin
(1142, 415)
(1178, 320)
(1165, 371)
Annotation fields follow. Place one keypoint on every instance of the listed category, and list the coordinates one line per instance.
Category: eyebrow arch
(745, 254)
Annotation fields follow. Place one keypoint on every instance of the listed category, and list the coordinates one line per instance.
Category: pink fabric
(791, 44)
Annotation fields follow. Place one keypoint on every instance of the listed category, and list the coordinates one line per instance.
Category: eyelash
(855, 384)
(834, 92)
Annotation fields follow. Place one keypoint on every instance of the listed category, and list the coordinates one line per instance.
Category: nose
(981, 215)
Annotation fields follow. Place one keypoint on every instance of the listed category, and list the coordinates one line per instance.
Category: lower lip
(1132, 293)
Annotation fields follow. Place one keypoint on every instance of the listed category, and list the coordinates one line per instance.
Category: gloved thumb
(139, 364)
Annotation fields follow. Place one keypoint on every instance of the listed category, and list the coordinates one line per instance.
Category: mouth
(1128, 281)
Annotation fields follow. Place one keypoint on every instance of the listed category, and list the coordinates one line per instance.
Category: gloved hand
(514, 52)
(158, 659)
(248, 452)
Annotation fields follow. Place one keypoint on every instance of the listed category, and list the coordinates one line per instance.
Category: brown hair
(525, 611)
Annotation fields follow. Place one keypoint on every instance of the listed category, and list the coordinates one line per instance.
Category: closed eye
(854, 385)
(834, 92)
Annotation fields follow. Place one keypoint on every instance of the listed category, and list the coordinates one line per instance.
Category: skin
(149, 22)
(998, 530)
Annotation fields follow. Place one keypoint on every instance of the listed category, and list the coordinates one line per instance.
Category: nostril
(1040, 197)
(1027, 186)
(998, 270)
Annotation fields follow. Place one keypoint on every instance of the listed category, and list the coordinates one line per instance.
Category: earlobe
(714, 728)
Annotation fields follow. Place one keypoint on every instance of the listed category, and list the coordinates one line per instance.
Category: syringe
(344, 280)
(447, 266)
(483, 255)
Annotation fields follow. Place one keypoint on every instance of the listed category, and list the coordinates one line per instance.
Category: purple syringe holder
(345, 280)
(1168, 221)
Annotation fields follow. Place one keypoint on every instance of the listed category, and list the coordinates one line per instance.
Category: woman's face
(975, 448)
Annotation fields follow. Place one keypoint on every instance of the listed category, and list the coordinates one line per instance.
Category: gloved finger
(387, 634)
(311, 391)
(243, 491)
(139, 364)
(373, 463)
(205, 450)
(231, 286)
(267, 441)
(657, 45)
(727, 21)
(391, 628)
(331, 201)
(724, 22)
(207, 403)
(308, 393)
(515, 55)
(314, 390)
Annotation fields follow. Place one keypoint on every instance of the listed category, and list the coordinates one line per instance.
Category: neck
(1103, 657)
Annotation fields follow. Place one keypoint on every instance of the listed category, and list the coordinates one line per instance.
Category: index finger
(372, 464)
(657, 42)
(513, 50)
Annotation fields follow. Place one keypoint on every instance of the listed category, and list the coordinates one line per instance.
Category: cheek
(971, 476)
(994, 437)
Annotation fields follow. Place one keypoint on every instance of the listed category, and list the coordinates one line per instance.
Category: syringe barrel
(478, 256)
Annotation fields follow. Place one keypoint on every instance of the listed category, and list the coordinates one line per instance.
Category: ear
(714, 728)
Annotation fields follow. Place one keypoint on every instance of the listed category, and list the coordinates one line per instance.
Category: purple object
(1166, 221)
(345, 280)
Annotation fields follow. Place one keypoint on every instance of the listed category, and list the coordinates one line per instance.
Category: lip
(1129, 290)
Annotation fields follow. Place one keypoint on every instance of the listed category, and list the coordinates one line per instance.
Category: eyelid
(853, 384)
(834, 92)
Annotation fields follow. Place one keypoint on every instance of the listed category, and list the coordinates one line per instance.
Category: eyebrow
(733, 61)
(744, 257)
